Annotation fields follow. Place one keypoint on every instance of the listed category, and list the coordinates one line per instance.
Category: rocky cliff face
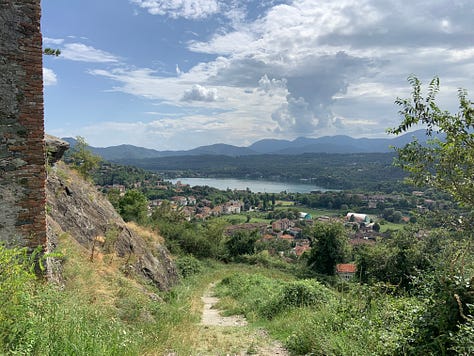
(76, 208)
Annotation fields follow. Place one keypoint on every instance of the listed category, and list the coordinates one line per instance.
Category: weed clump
(294, 295)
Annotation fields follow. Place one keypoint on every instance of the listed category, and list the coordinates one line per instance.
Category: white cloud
(302, 68)
(84, 53)
(183, 133)
(52, 41)
(188, 9)
(49, 77)
(200, 93)
(270, 85)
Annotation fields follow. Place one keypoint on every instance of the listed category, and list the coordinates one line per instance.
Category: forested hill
(335, 171)
(301, 145)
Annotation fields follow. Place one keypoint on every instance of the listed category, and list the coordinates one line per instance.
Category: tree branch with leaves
(447, 161)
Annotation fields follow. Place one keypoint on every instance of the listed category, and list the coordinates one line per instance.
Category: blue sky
(177, 74)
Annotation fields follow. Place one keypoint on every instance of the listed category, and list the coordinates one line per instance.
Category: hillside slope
(77, 209)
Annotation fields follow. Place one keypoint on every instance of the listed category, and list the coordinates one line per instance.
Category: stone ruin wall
(22, 156)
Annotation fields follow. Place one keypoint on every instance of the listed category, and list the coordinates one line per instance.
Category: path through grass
(190, 337)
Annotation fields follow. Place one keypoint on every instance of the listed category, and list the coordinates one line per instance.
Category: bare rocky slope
(76, 208)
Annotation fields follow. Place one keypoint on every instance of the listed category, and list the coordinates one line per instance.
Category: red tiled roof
(346, 268)
(299, 250)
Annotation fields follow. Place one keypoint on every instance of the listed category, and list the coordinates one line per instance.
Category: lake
(256, 186)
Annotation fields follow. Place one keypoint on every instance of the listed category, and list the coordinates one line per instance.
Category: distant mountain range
(326, 144)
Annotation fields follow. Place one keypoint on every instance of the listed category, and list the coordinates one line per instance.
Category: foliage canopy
(328, 248)
(84, 161)
(447, 162)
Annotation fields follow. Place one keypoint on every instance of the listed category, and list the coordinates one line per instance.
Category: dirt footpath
(212, 316)
(232, 334)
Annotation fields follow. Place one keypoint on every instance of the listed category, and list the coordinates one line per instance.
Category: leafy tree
(166, 212)
(242, 243)
(114, 197)
(83, 160)
(133, 206)
(214, 234)
(329, 247)
(397, 216)
(447, 163)
(51, 52)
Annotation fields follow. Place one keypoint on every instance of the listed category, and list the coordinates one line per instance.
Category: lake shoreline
(255, 186)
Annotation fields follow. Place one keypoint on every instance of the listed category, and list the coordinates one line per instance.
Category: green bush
(463, 340)
(251, 291)
(189, 265)
(294, 295)
(266, 260)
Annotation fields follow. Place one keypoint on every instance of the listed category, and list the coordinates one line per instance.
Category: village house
(233, 207)
(287, 237)
(181, 185)
(217, 210)
(205, 211)
(378, 198)
(155, 202)
(296, 232)
(120, 188)
(188, 212)
(282, 225)
(301, 247)
(346, 271)
(180, 200)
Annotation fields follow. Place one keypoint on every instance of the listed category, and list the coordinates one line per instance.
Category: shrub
(294, 295)
(188, 266)
(463, 340)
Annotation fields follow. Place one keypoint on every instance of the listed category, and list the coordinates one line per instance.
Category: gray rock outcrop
(76, 207)
(55, 148)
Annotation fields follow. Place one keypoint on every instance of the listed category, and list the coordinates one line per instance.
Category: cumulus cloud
(188, 9)
(269, 85)
(83, 53)
(200, 93)
(294, 117)
(49, 77)
(304, 69)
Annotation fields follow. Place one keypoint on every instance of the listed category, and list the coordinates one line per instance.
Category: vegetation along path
(232, 333)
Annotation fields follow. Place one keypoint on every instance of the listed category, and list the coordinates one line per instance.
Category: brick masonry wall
(22, 157)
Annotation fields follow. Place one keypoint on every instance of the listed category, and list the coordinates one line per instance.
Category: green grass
(312, 319)
(102, 311)
(242, 218)
(386, 226)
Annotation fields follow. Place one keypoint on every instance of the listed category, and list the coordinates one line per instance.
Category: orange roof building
(346, 270)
